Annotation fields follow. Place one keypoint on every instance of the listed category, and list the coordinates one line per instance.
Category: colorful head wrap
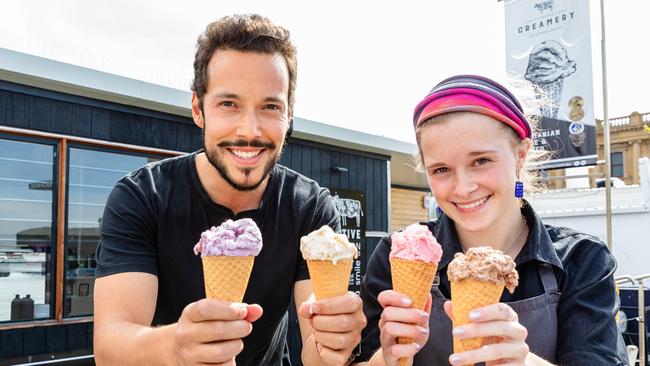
(472, 93)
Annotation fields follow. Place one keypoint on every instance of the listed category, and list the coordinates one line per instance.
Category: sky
(362, 65)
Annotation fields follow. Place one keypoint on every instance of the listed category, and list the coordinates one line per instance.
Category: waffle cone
(550, 96)
(467, 295)
(414, 279)
(226, 277)
(329, 279)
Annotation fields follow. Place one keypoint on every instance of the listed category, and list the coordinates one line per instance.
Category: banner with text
(352, 206)
(548, 43)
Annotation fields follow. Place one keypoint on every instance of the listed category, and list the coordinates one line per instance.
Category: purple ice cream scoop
(241, 238)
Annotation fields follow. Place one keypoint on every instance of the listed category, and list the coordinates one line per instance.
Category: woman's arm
(587, 328)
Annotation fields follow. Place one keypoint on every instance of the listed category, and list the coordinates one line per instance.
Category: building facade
(67, 134)
(629, 141)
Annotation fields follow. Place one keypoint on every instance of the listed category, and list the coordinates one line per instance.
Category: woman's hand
(496, 320)
(399, 319)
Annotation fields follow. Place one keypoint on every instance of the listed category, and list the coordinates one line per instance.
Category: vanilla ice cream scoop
(325, 244)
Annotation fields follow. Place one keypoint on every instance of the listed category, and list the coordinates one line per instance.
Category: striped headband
(472, 93)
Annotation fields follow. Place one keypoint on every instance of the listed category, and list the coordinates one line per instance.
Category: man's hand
(337, 324)
(210, 331)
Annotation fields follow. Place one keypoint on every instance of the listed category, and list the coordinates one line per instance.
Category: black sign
(572, 144)
(352, 207)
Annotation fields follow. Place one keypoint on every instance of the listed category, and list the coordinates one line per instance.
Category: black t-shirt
(155, 215)
(584, 270)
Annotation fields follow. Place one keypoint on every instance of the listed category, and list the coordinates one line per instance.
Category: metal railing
(638, 281)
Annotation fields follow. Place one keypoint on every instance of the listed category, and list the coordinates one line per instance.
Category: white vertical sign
(548, 43)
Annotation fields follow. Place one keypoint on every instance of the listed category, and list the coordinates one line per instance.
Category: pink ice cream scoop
(415, 243)
(239, 238)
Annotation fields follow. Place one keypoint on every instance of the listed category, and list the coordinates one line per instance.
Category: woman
(475, 144)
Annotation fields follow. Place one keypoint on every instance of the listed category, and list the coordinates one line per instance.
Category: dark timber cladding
(42, 110)
(34, 109)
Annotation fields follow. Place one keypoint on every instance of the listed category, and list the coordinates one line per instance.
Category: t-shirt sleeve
(376, 280)
(128, 235)
(325, 213)
(587, 331)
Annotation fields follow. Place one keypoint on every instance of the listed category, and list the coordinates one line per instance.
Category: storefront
(67, 134)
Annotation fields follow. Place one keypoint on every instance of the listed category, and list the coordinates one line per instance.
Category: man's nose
(248, 125)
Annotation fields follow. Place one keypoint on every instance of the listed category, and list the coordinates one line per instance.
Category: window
(618, 164)
(91, 176)
(27, 191)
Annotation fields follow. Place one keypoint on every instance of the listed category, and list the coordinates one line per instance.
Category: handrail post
(642, 330)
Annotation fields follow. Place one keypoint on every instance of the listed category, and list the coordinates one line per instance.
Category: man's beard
(217, 162)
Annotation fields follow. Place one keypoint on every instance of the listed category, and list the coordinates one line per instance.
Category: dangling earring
(519, 187)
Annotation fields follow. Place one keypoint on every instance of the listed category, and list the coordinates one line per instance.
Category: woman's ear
(522, 151)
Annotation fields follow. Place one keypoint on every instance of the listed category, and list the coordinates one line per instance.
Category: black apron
(538, 314)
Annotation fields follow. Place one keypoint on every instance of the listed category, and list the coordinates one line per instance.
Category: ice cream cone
(226, 277)
(414, 279)
(550, 96)
(467, 295)
(329, 279)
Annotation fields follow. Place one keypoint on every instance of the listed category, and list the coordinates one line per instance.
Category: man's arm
(208, 331)
(330, 328)
(124, 307)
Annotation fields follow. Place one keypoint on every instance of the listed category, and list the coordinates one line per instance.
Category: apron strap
(548, 277)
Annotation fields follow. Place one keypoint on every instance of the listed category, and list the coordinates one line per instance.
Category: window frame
(59, 203)
(621, 165)
(54, 214)
(97, 148)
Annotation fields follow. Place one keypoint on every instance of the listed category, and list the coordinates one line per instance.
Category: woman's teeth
(472, 204)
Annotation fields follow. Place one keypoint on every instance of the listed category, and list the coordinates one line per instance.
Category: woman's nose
(465, 184)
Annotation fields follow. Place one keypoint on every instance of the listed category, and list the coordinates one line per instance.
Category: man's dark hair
(248, 33)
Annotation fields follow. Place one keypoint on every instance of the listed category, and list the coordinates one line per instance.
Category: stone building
(629, 141)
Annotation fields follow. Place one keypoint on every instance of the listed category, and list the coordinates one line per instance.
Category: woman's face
(471, 162)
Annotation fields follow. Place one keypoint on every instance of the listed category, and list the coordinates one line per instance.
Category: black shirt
(155, 215)
(584, 270)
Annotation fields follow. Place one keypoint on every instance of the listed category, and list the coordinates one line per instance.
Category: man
(148, 294)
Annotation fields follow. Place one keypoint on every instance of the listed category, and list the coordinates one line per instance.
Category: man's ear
(290, 129)
(197, 111)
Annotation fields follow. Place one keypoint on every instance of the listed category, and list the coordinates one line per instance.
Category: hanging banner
(352, 205)
(548, 43)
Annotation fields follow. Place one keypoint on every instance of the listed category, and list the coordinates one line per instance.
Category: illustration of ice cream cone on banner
(414, 258)
(548, 65)
(329, 258)
(228, 253)
(477, 279)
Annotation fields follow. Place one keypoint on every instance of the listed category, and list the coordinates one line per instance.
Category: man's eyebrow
(274, 99)
(226, 95)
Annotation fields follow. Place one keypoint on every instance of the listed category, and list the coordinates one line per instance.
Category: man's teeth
(246, 154)
(472, 204)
